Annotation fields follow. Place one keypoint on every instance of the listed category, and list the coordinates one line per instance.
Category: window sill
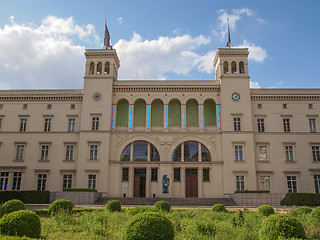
(266, 161)
(93, 160)
(18, 160)
(316, 162)
(154, 181)
(43, 161)
(68, 161)
(291, 162)
(239, 161)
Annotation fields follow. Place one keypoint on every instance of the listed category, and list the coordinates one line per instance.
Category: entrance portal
(139, 182)
(192, 182)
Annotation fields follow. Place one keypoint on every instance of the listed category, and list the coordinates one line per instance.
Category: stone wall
(257, 199)
(76, 197)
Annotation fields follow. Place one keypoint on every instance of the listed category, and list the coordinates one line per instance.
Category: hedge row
(26, 196)
(79, 190)
(301, 199)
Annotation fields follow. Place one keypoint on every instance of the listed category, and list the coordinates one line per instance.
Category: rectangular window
(113, 116)
(201, 117)
(130, 117)
(69, 152)
(4, 178)
(71, 124)
(286, 125)
(238, 150)
(176, 173)
(265, 183)
(72, 106)
(24, 106)
(240, 183)
(1, 106)
(154, 174)
(310, 105)
(19, 151)
(284, 106)
(125, 174)
(92, 181)
(289, 153)
(0, 123)
(219, 118)
(236, 124)
(42, 180)
(317, 183)
(16, 181)
(166, 116)
(206, 175)
(47, 124)
(93, 152)
(67, 181)
(259, 106)
(315, 153)
(292, 184)
(95, 123)
(148, 117)
(313, 125)
(49, 106)
(260, 122)
(263, 153)
(44, 152)
(23, 124)
(183, 117)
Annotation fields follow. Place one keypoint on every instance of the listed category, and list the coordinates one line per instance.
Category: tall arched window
(157, 113)
(91, 68)
(189, 152)
(106, 67)
(174, 113)
(209, 109)
(99, 68)
(192, 113)
(139, 115)
(122, 112)
(225, 67)
(233, 67)
(241, 67)
(142, 151)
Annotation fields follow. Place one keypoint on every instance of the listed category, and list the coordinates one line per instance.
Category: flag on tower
(229, 39)
(107, 39)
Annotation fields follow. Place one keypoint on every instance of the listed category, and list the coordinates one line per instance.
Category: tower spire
(229, 39)
(107, 39)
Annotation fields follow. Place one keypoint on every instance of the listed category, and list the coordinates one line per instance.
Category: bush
(265, 210)
(113, 206)
(295, 212)
(281, 225)
(218, 208)
(21, 223)
(137, 210)
(61, 205)
(301, 199)
(315, 215)
(146, 226)
(162, 206)
(26, 196)
(12, 206)
(79, 190)
(15, 238)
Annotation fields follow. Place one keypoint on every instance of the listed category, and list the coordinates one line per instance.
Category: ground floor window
(265, 183)
(4, 178)
(42, 180)
(317, 183)
(92, 181)
(240, 183)
(206, 175)
(16, 181)
(292, 184)
(154, 174)
(67, 181)
(176, 174)
(125, 174)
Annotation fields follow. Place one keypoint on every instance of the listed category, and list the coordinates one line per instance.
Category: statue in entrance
(165, 183)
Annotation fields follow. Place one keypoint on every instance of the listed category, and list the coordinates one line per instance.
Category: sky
(42, 43)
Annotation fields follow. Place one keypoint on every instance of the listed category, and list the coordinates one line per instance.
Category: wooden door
(139, 189)
(192, 185)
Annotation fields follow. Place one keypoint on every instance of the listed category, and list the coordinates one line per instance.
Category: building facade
(201, 139)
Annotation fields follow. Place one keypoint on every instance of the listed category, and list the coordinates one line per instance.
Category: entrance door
(192, 182)
(139, 182)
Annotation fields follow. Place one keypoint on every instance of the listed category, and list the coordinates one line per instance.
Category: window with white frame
(240, 183)
(44, 152)
(316, 153)
(237, 124)
(71, 124)
(69, 152)
(4, 179)
(23, 124)
(92, 178)
(265, 183)
(16, 181)
(292, 184)
(42, 181)
(263, 156)
(67, 181)
(289, 153)
(238, 151)
(125, 174)
(316, 179)
(19, 151)
(286, 125)
(93, 152)
(260, 122)
(95, 123)
(47, 124)
(313, 125)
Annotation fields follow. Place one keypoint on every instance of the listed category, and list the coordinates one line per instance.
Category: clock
(236, 96)
(96, 96)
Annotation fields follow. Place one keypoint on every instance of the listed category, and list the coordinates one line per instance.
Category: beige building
(210, 138)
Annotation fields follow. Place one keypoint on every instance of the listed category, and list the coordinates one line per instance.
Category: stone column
(200, 180)
(148, 179)
(183, 182)
(131, 181)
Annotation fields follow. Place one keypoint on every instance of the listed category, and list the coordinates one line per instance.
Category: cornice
(165, 89)
(280, 94)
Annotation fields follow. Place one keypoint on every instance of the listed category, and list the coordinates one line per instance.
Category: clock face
(236, 96)
(96, 96)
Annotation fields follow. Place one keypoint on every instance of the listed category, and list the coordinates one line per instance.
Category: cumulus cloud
(43, 56)
(256, 53)
(254, 85)
(152, 59)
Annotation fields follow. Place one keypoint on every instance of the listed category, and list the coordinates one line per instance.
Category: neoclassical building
(210, 138)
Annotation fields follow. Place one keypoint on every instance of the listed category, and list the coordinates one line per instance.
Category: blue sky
(42, 42)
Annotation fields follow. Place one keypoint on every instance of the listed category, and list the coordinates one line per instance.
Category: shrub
(265, 210)
(301, 199)
(15, 238)
(146, 226)
(61, 205)
(26, 196)
(315, 215)
(12, 206)
(295, 212)
(281, 225)
(218, 208)
(137, 210)
(238, 220)
(113, 206)
(79, 190)
(21, 223)
(162, 206)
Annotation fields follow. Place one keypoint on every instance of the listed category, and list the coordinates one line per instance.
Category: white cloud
(256, 53)
(120, 20)
(254, 85)
(152, 59)
(205, 63)
(43, 56)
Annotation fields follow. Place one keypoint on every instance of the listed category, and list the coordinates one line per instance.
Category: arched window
(189, 152)
(209, 109)
(142, 151)
(122, 112)
(233, 67)
(157, 113)
(139, 115)
(99, 67)
(174, 113)
(241, 67)
(106, 67)
(192, 115)
(91, 68)
(225, 67)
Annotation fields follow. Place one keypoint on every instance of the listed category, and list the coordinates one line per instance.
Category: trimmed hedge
(16, 238)
(162, 206)
(295, 212)
(218, 208)
(61, 205)
(253, 191)
(21, 223)
(113, 206)
(265, 210)
(301, 199)
(315, 215)
(79, 190)
(26, 196)
(12, 206)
